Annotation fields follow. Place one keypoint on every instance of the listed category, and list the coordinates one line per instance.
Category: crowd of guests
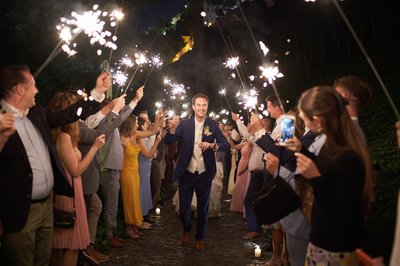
(61, 155)
(327, 163)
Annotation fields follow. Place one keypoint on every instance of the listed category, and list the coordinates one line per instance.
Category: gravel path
(161, 245)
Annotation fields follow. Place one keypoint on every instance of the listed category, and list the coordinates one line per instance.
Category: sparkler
(177, 91)
(223, 92)
(249, 99)
(261, 46)
(140, 60)
(116, 15)
(232, 62)
(271, 73)
(159, 105)
(88, 22)
(120, 77)
(371, 64)
(155, 62)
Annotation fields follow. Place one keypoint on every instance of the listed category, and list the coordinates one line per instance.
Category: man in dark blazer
(200, 137)
(31, 167)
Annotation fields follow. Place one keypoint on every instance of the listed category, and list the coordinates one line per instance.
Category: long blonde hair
(325, 103)
(60, 101)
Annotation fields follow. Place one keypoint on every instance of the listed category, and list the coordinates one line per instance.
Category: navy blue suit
(201, 183)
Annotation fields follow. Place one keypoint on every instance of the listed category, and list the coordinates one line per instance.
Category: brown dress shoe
(251, 235)
(200, 246)
(94, 256)
(115, 243)
(185, 239)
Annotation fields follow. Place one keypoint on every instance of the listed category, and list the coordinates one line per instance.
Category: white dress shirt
(197, 161)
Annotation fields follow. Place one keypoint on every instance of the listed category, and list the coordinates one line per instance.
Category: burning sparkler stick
(156, 62)
(361, 46)
(371, 64)
(140, 60)
(223, 92)
(88, 22)
(118, 16)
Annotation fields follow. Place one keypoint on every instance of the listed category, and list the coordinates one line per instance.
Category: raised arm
(175, 132)
(154, 129)
(106, 127)
(149, 154)
(67, 154)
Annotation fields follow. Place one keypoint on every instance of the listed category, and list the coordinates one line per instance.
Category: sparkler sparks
(222, 92)
(117, 15)
(90, 23)
(140, 59)
(270, 73)
(248, 99)
(120, 78)
(159, 105)
(177, 91)
(156, 61)
(264, 48)
(232, 62)
(126, 61)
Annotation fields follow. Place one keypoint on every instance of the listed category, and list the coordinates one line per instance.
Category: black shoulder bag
(276, 200)
(62, 218)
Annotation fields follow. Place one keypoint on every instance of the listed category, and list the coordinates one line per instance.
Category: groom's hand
(206, 145)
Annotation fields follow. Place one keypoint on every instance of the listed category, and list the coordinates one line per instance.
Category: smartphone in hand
(287, 129)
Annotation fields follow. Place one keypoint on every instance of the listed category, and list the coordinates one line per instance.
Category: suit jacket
(91, 176)
(287, 158)
(185, 132)
(112, 153)
(16, 173)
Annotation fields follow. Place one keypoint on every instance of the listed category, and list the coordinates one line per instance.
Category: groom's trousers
(188, 183)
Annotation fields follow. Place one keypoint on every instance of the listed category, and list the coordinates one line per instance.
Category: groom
(200, 137)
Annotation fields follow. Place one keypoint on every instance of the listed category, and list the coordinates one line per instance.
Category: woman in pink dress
(239, 192)
(68, 241)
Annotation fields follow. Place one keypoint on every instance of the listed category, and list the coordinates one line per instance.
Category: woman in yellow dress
(130, 179)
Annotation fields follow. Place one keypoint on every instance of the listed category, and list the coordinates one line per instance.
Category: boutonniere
(206, 131)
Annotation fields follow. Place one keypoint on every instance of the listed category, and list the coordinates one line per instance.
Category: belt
(40, 200)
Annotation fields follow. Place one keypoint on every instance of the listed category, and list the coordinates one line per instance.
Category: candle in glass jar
(257, 252)
(158, 211)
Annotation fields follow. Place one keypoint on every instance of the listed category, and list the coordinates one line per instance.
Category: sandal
(145, 226)
(133, 235)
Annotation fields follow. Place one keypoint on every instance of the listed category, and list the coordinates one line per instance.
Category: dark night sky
(164, 9)
(321, 49)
